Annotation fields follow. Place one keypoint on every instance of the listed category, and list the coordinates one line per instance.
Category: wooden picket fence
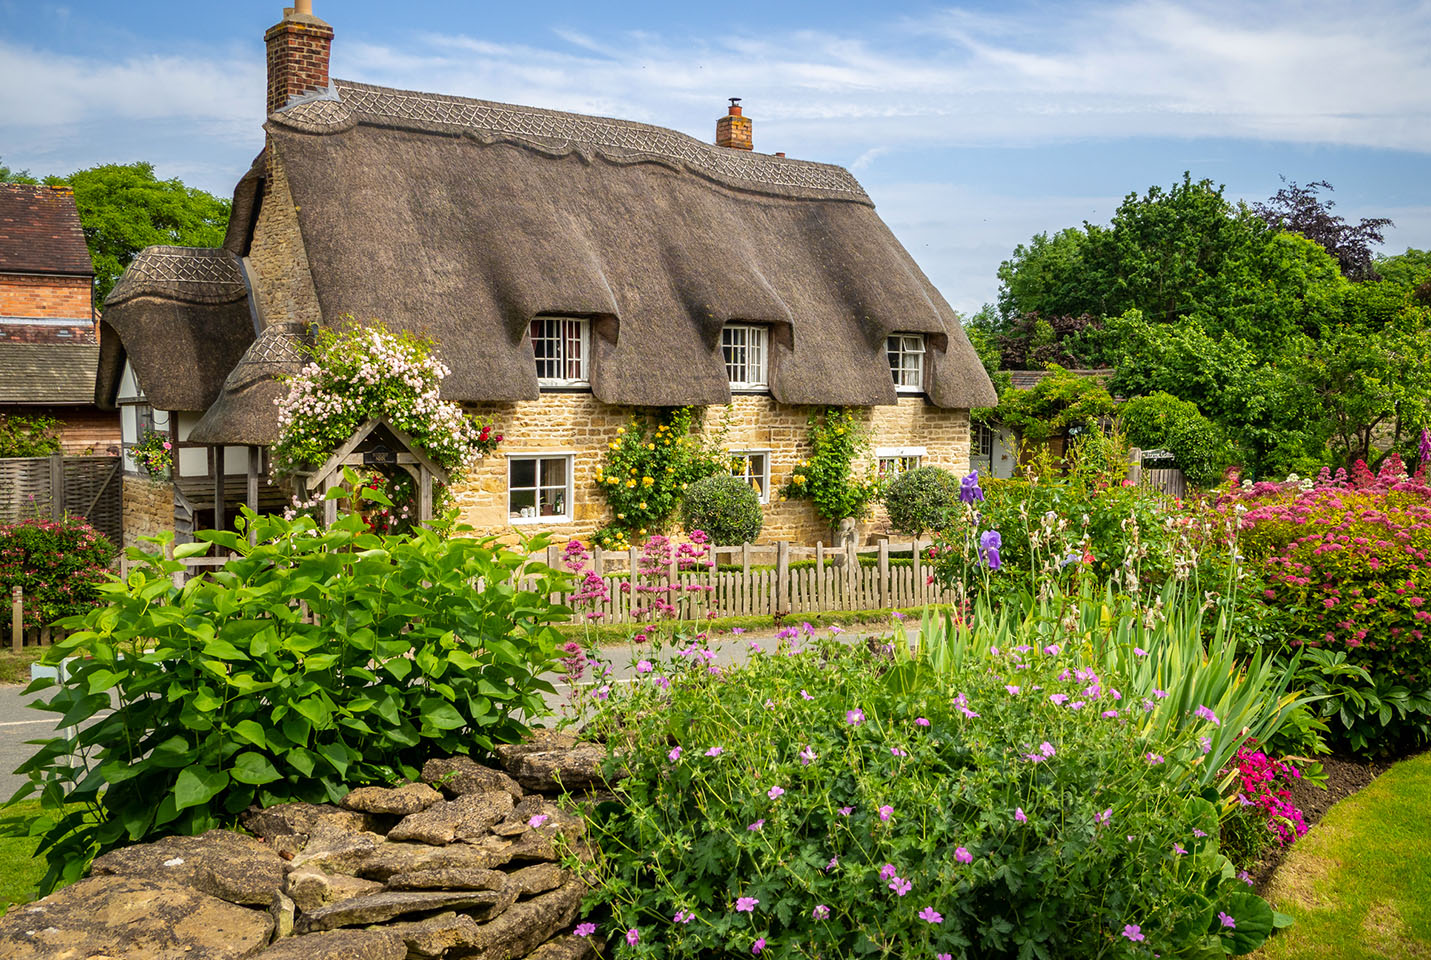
(765, 583)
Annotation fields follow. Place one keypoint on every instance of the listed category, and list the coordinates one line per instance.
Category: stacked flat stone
(464, 864)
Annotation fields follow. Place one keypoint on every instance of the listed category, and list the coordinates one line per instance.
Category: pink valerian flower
(821, 912)
(758, 945)
(633, 936)
(745, 904)
(900, 886)
(775, 792)
(885, 812)
(584, 930)
(930, 915)
(854, 717)
(1133, 932)
(963, 855)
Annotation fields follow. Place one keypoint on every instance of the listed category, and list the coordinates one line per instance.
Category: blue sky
(972, 125)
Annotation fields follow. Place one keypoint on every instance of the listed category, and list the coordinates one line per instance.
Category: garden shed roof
(181, 316)
(464, 219)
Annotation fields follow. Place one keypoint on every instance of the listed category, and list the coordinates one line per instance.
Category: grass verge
(622, 632)
(15, 667)
(20, 871)
(1359, 884)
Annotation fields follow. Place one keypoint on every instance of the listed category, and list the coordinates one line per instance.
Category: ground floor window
(892, 461)
(983, 441)
(538, 488)
(753, 466)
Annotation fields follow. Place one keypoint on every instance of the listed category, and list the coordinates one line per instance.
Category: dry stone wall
(465, 864)
(148, 507)
(579, 425)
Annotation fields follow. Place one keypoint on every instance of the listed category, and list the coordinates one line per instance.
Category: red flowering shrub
(1347, 562)
(1264, 785)
(57, 563)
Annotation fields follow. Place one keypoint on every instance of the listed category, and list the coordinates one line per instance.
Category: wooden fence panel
(53, 487)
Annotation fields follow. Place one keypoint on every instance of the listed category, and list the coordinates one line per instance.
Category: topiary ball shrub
(725, 507)
(920, 500)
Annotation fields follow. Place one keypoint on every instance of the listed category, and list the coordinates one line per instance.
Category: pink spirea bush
(1347, 562)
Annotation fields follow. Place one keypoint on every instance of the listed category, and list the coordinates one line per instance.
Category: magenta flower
(758, 945)
(1198, 833)
(1019, 815)
(745, 904)
(1204, 713)
(756, 825)
(1178, 849)
(675, 754)
(1059, 699)
(854, 717)
(1109, 714)
(809, 630)
(1226, 921)
(633, 937)
(1013, 690)
(714, 752)
(900, 886)
(885, 812)
(897, 752)
(1140, 651)
(1205, 743)
(846, 811)
(538, 820)
(684, 917)
(1154, 758)
(644, 667)
(1101, 819)
(930, 915)
(963, 855)
(887, 871)
(944, 956)
(1133, 932)
(805, 696)
(775, 792)
(821, 912)
(808, 756)
(834, 862)
(1160, 694)
(921, 721)
(584, 930)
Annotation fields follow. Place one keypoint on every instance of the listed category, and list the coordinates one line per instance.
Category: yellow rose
(643, 504)
(798, 478)
(630, 483)
(670, 469)
(620, 516)
(612, 445)
(683, 486)
(642, 531)
(620, 431)
(646, 481)
(650, 446)
(633, 469)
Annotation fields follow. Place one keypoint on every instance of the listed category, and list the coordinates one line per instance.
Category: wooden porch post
(255, 457)
(219, 496)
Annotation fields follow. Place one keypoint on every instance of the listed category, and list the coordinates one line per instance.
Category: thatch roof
(40, 231)
(463, 219)
(181, 315)
(245, 412)
(48, 373)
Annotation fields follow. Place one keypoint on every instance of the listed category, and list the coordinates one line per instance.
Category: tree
(8, 175)
(1298, 209)
(124, 208)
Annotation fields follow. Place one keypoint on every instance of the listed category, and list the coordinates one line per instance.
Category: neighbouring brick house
(48, 347)
(571, 269)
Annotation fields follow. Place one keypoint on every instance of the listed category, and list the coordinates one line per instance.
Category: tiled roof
(48, 373)
(40, 231)
(1028, 379)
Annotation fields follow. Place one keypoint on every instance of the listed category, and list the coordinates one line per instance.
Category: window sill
(531, 521)
(909, 391)
(564, 386)
(757, 388)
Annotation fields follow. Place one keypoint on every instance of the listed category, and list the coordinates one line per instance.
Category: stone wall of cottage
(45, 297)
(282, 282)
(579, 425)
(148, 508)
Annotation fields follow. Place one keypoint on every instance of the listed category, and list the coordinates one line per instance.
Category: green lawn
(20, 872)
(15, 668)
(1359, 884)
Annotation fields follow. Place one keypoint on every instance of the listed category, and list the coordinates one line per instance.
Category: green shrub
(1058, 402)
(28, 436)
(725, 507)
(828, 478)
(312, 662)
(1162, 421)
(837, 803)
(57, 563)
(921, 499)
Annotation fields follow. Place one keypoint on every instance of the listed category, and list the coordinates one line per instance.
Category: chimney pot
(733, 129)
(780, 154)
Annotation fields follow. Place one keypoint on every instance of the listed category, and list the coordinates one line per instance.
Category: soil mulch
(1345, 776)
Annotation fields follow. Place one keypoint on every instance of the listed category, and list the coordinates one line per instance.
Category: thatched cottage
(570, 268)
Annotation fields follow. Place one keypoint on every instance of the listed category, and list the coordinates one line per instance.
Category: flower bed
(784, 807)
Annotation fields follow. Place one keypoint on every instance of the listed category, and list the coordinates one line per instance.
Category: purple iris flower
(989, 544)
(969, 489)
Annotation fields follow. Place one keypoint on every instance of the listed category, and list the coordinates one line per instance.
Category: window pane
(524, 473)
(554, 472)
(553, 501)
(519, 499)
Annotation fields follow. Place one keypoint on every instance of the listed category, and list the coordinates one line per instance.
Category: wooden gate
(53, 487)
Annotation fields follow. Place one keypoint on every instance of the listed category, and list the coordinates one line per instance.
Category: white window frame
(749, 475)
(890, 462)
(906, 361)
(563, 332)
(745, 348)
(567, 489)
(983, 441)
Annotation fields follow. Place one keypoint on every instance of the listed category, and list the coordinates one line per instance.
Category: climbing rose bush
(833, 801)
(361, 372)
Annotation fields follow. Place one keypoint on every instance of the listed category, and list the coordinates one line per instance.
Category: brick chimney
(298, 48)
(733, 130)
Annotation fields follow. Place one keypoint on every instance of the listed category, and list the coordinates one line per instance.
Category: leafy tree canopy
(1299, 209)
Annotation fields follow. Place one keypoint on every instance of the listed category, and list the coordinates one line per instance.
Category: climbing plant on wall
(828, 478)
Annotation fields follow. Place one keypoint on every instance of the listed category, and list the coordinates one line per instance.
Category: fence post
(634, 581)
(1135, 465)
(782, 576)
(57, 486)
(17, 618)
(884, 591)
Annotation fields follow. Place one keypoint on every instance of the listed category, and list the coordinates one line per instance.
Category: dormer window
(744, 346)
(561, 345)
(906, 361)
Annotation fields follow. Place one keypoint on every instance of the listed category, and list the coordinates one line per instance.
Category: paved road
(19, 722)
